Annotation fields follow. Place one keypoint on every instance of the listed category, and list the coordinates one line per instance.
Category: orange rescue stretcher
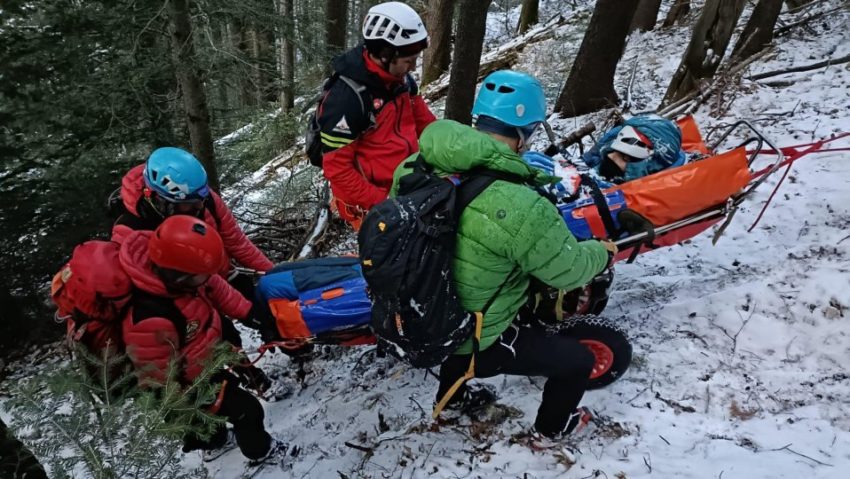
(682, 202)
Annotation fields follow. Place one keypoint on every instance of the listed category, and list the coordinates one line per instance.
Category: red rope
(794, 154)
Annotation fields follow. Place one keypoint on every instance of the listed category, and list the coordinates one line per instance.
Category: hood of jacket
(137, 264)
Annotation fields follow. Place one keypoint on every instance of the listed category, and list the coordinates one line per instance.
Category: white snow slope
(740, 349)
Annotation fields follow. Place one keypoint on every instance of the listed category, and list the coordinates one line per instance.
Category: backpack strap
(601, 205)
(476, 347)
(477, 181)
(146, 305)
(361, 91)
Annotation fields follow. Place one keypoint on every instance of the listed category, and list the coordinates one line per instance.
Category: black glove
(252, 377)
(251, 320)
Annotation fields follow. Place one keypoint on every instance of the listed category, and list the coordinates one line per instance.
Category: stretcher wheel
(607, 342)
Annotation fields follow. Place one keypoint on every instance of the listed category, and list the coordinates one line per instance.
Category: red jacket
(361, 154)
(154, 338)
(236, 244)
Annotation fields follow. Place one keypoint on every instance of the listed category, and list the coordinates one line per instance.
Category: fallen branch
(503, 57)
(787, 28)
(692, 101)
(787, 447)
(802, 68)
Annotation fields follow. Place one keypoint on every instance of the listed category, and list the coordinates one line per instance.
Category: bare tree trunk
(194, 97)
(529, 15)
(678, 12)
(287, 55)
(437, 57)
(238, 35)
(706, 48)
(758, 33)
(253, 46)
(645, 15)
(590, 85)
(336, 15)
(467, 56)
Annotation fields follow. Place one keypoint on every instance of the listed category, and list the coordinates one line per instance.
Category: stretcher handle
(629, 241)
(762, 139)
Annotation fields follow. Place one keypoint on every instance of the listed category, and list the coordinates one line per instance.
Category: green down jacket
(508, 226)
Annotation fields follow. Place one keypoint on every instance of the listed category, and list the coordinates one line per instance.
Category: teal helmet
(176, 175)
(512, 98)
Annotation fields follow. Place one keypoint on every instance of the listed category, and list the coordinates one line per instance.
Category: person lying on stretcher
(643, 145)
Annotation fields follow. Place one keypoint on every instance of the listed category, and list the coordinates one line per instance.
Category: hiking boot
(539, 441)
(211, 454)
(275, 454)
(578, 420)
(473, 398)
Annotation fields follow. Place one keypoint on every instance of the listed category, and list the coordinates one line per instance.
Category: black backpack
(312, 136)
(407, 246)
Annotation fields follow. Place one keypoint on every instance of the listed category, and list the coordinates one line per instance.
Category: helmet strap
(149, 198)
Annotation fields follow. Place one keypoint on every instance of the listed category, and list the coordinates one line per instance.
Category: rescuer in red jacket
(175, 320)
(366, 135)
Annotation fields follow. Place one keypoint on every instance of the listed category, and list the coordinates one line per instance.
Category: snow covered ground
(740, 349)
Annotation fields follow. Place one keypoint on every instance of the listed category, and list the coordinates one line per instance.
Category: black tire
(608, 343)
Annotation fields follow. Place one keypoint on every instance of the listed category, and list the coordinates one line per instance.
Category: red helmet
(187, 244)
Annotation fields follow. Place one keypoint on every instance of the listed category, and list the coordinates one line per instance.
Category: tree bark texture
(758, 33)
(590, 85)
(645, 15)
(437, 57)
(529, 15)
(678, 12)
(336, 15)
(287, 55)
(467, 56)
(706, 48)
(194, 97)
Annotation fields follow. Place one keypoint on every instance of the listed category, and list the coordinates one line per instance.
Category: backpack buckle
(432, 231)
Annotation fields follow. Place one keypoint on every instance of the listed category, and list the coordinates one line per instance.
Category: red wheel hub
(603, 355)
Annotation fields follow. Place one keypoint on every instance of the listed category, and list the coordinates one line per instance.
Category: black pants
(532, 351)
(245, 413)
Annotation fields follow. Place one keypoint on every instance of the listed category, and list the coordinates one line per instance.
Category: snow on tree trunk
(706, 48)
(437, 57)
(194, 97)
(758, 33)
(678, 11)
(464, 71)
(529, 15)
(645, 15)
(590, 85)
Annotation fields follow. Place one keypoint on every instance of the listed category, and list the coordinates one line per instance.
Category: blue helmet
(513, 98)
(176, 175)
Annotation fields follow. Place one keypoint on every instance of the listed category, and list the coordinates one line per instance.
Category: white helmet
(630, 141)
(394, 25)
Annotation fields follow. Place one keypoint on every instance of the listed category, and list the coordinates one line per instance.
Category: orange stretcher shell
(670, 195)
(691, 137)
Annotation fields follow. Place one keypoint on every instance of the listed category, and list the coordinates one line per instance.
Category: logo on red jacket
(191, 329)
(377, 103)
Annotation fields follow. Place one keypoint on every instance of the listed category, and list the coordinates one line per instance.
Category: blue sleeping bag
(309, 298)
